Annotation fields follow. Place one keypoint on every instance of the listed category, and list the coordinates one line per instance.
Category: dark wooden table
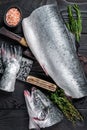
(13, 112)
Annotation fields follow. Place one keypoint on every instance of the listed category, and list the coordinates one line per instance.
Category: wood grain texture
(41, 83)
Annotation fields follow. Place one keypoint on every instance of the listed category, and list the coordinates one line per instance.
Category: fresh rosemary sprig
(68, 109)
(74, 24)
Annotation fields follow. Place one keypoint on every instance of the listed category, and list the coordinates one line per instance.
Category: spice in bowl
(12, 17)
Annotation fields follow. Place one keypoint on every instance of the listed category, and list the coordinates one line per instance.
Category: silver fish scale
(53, 47)
(55, 114)
(37, 102)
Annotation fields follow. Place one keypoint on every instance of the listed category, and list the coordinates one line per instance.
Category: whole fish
(41, 110)
(52, 45)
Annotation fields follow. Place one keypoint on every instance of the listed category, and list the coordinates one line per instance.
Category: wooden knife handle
(41, 83)
(13, 36)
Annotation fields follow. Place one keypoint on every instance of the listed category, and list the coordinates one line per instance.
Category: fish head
(37, 104)
(41, 110)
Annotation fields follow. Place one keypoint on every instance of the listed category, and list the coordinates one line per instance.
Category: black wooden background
(13, 112)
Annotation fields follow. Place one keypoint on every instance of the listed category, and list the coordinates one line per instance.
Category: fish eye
(44, 113)
(36, 97)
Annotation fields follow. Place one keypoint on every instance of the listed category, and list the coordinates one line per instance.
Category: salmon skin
(52, 45)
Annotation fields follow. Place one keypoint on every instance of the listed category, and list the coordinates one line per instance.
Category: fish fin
(44, 69)
(27, 100)
(26, 93)
(33, 125)
(27, 97)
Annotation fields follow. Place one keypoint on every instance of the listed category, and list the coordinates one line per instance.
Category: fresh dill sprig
(68, 109)
(74, 24)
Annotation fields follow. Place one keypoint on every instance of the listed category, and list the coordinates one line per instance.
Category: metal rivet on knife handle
(41, 83)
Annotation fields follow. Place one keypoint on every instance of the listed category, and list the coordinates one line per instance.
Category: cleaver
(23, 75)
(26, 65)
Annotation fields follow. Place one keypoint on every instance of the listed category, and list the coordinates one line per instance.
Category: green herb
(60, 99)
(75, 24)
